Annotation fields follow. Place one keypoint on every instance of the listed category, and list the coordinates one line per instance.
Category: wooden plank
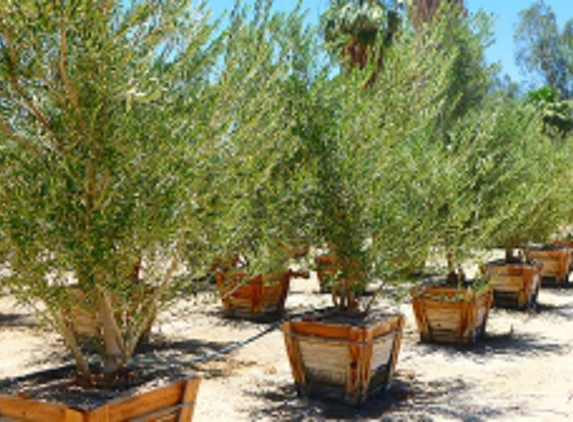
(21, 408)
(324, 363)
(368, 355)
(189, 397)
(353, 362)
(101, 414)
(382, 352)
(320, 329)
(294, 355)
(146, 402)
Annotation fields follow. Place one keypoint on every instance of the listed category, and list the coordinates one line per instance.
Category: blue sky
(504, 12)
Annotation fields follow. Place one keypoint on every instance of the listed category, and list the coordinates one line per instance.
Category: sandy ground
(522, 371)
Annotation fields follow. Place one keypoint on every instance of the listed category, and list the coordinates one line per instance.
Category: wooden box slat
(324, 363)
(147, 402)
(20, 409)
(382, 354)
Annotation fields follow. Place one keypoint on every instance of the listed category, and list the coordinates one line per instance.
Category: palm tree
(360, 30)
(423, 10)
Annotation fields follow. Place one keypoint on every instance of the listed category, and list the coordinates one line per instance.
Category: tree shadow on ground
(17, 320)
(53, 357)
(510, 343)
(553, 283)
(187, 347)
(563, 311)
(207, 357)
(406, 400)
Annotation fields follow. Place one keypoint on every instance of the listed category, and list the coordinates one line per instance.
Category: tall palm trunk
(422, 11)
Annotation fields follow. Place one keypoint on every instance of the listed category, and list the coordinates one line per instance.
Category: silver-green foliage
(382, 166)
(130, 136)
(426, 159)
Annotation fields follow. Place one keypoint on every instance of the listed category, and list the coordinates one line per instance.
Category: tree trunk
(114, 358)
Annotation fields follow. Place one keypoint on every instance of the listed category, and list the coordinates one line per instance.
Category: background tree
(556, 114)
(521, 177)
(374, 154)
(359, 31)
(258, 216)
(453, 142)
(543, 50)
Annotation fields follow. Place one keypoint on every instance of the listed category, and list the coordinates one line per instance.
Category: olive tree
(121, 131)
(525, 177)
(371, 150)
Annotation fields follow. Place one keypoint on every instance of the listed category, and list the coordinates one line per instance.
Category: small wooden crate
(258, 298)
(451, 314)
(343, 361)
(556, 261)
(567, 244)
(174, 402)
(515, 285)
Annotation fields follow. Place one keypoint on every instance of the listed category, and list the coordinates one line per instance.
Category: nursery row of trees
(140, 143)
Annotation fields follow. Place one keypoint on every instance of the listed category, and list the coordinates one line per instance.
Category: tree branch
(5, 130)
(15, 84)
(62, 65)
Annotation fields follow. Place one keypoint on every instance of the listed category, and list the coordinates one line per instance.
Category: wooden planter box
(343, 361)
(567, 244)
(173, 401)
(258, 298)
(515, 285)
(450, 314)
(556, 261)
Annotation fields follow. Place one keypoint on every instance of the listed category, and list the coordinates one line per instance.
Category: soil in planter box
(60, 385)
(358, 319)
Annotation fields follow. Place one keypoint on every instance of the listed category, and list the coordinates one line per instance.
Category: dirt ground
(522, 371)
